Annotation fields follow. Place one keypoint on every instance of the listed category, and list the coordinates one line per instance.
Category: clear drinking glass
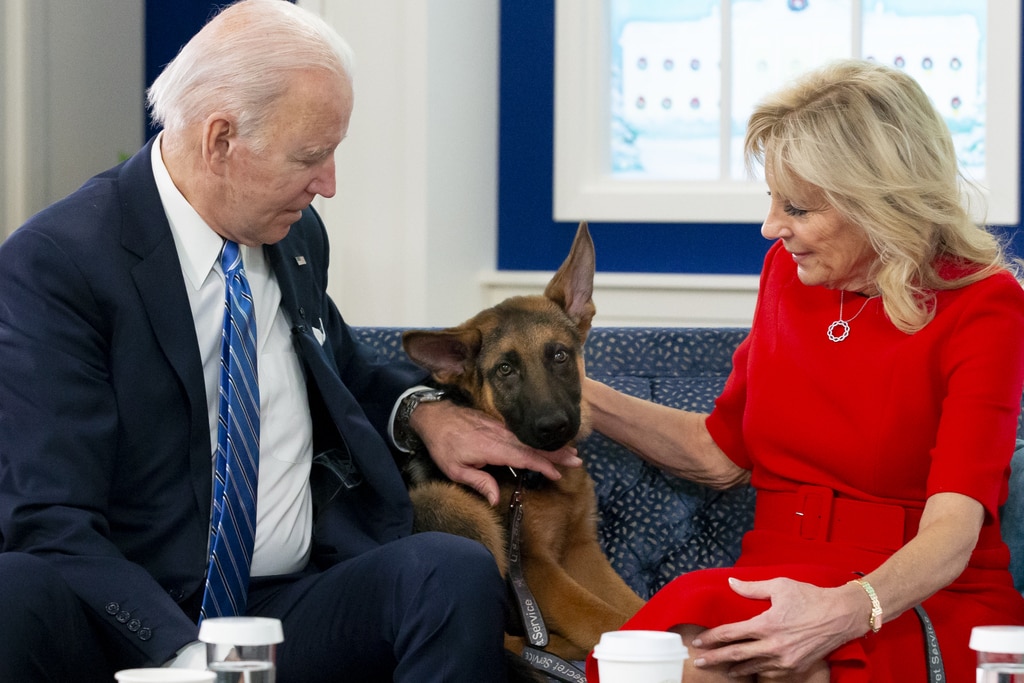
(241, 649)
(1000, 653)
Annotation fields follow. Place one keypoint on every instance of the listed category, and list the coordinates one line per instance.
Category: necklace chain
(844, 325)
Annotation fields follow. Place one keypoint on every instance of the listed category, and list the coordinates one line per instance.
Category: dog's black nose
(553, 431)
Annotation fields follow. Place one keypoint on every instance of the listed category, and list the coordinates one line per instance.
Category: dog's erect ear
(448, 354)
(572, 287)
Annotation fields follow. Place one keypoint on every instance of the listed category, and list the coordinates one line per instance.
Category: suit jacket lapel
(161, 286)
(300, 296)
(293, 264)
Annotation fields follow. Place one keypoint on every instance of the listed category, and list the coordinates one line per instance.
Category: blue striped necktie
(233, 523)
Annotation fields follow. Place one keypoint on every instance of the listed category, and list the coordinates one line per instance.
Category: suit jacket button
(123, 616)
(113, 608)
(134, 625)
(176, 594)
(145, 634)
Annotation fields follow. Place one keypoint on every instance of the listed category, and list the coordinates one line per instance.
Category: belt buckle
(814, 509)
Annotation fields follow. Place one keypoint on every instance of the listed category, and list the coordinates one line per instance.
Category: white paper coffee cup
(640, 657)
(164, 676)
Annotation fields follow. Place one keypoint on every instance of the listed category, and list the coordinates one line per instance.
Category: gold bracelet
(875, 620)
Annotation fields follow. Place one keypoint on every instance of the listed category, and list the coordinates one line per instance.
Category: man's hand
(192, 656)
(462, 441)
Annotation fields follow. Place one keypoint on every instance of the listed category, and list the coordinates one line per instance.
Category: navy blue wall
(169, 25)
(528, 238)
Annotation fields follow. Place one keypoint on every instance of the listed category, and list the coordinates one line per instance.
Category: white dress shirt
(284, 508)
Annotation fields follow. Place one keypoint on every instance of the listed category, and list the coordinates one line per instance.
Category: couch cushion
(652, 526)
(662, 352)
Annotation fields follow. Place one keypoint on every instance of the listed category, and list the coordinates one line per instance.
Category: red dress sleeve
(725, 423)
(982, 364)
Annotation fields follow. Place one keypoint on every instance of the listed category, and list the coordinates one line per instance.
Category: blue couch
(654, 527)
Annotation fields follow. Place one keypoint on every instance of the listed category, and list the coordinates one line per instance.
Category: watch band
(405, 437)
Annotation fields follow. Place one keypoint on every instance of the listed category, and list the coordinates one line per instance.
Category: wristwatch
(405, 438)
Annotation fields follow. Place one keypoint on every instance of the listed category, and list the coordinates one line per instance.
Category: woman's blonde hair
(868, 136)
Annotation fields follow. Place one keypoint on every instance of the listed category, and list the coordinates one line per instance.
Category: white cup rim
(640, 646)
(241, 631)
(1001, 639)
(161, 675)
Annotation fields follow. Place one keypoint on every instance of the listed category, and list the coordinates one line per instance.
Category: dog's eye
(561, 356)
(505, 369)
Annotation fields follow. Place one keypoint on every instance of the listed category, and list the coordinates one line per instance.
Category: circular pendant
(844, 332)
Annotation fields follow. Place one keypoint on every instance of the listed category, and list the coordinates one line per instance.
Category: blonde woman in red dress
(873, 406)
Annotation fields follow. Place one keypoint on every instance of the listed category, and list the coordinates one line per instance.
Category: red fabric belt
(816, 514)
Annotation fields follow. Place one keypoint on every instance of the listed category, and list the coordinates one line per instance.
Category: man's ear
(220, 137)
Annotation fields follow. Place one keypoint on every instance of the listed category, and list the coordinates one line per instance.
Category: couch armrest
(1013, 517)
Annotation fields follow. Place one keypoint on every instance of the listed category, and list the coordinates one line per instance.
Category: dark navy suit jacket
(105, 457)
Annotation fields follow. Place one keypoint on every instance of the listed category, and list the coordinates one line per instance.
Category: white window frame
(584, 187)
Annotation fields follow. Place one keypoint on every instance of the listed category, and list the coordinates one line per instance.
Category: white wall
(71, 96)
(414, 219)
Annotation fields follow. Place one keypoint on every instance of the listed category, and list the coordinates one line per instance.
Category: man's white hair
(242, 62)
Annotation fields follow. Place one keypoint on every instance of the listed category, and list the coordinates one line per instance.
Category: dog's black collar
(531, 479)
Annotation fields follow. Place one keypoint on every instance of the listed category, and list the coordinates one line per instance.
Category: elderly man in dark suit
(116, 414)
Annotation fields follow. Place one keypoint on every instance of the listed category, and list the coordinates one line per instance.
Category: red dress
(882, 417)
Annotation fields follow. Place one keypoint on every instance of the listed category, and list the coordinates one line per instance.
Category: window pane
(772, 42)
(666, 89)
(942, 45)
(652, 96)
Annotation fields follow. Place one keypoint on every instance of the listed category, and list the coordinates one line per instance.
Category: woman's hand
(803, 625)
(462, 441)
(806, 622)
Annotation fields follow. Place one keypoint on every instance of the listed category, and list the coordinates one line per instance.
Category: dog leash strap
(553, 665)
(529, 612)
(936, 671)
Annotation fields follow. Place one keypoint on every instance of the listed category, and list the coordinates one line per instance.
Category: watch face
(432, 395)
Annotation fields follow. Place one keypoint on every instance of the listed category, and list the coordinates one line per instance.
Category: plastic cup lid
(640, 646)
(241, 631)
(1001, 639)
(165, 676)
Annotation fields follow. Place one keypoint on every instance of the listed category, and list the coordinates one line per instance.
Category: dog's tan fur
(521, 362)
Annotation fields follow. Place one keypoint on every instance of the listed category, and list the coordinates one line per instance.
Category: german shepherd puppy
(522, 362)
